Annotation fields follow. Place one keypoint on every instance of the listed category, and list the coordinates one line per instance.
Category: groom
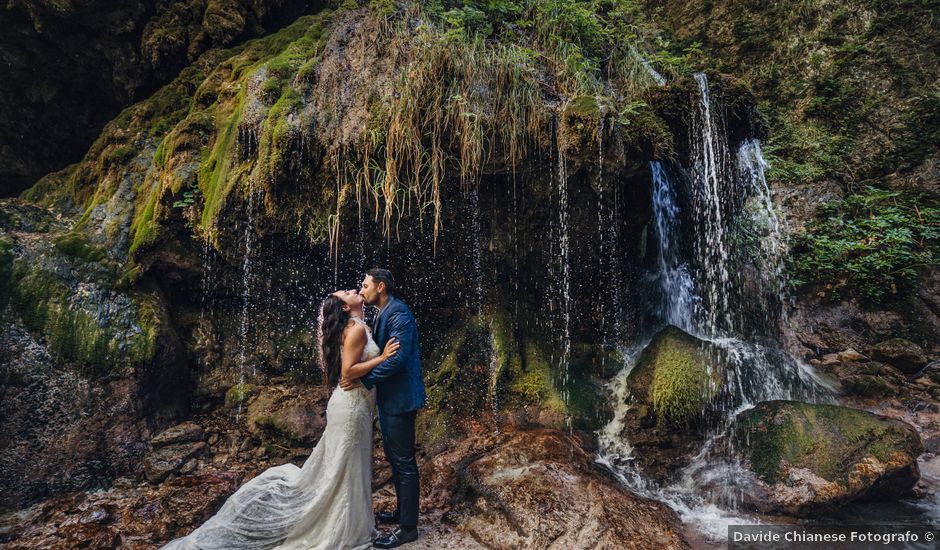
(399, 395)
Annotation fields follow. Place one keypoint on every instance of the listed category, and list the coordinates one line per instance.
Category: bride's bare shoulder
(355, 332)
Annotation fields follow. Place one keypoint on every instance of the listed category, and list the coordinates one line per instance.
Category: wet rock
(190, 500)
(805, 458)
(537, 489)
(293, 415)
(904, 355)
(674, 390)
(159, 464)
(859, 376)
(238, 394)
(187, 432)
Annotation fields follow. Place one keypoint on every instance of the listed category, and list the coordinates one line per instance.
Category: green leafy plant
(871, 244)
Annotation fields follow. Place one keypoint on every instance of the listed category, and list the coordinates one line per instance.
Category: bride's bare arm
(359, 370)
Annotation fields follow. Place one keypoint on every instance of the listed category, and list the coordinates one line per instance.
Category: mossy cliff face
(86, 367)
(264, 175)
(809, 458)
(298, 159)
(72, 66)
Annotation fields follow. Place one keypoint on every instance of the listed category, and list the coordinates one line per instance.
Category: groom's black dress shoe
(388, 518)
(396, 538)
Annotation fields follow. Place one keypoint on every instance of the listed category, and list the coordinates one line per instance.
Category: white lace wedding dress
(324, 505)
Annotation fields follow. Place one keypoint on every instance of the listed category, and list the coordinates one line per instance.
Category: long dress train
(324, 505)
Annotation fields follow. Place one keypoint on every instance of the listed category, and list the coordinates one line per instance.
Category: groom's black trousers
(398, 439)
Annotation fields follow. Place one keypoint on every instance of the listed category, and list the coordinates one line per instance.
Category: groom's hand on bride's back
(349, 384)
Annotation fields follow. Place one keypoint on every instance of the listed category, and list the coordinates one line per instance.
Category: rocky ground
(521, 487)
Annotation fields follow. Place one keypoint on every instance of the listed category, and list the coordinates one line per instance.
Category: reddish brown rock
(164, 461)
(904, 355)
(187, 432)
(536, 489)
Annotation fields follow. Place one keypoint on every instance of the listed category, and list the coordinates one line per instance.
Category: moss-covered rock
(678, 377)
(289, 416)
(238, 394)
(808, 457)
(77, 246)
(581, 124)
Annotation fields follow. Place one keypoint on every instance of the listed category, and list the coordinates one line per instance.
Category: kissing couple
(327, 503)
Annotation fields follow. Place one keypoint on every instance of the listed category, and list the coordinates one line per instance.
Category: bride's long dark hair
(333, 319)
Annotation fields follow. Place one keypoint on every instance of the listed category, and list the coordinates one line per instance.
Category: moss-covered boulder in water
(805, 457)
(677, 377)
(670, 394)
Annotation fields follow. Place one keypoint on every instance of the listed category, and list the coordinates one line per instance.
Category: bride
(326, 504)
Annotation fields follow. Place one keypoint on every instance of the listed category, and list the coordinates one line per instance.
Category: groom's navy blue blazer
(399, 382)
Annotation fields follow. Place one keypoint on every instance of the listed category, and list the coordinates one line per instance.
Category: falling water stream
(565, 267)
(699, 292)
(246, 290)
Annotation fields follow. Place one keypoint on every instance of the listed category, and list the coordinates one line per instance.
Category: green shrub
(870, 244)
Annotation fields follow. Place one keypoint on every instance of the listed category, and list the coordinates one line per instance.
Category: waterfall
(699, 276)
(675, 282)
(477, 254)
(563, 238)
(246, 289)
(709, 170)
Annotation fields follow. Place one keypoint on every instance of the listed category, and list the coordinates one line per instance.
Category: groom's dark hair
(380, 275)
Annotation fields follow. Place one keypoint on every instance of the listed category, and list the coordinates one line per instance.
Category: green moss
(826, 439)
(41, 301)
(581, 120)
(535, 382)
(120, 155)
(271, 87)
(679, 375)
(214, 171)
(72, 334)
(6, 271)
(144, 225)
(238, 394)
(52, 189)
(75, 245)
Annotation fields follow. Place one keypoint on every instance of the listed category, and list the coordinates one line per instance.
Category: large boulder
(673, 390)
(677, 377)
(904, 355)
(539, 488)
(291, 416)
(803, 458)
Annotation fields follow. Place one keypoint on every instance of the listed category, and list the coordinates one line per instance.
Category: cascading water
(699, 280)
(565, 268)
(677, 301)
(246, 290)
(477, 256)
(709, 171)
